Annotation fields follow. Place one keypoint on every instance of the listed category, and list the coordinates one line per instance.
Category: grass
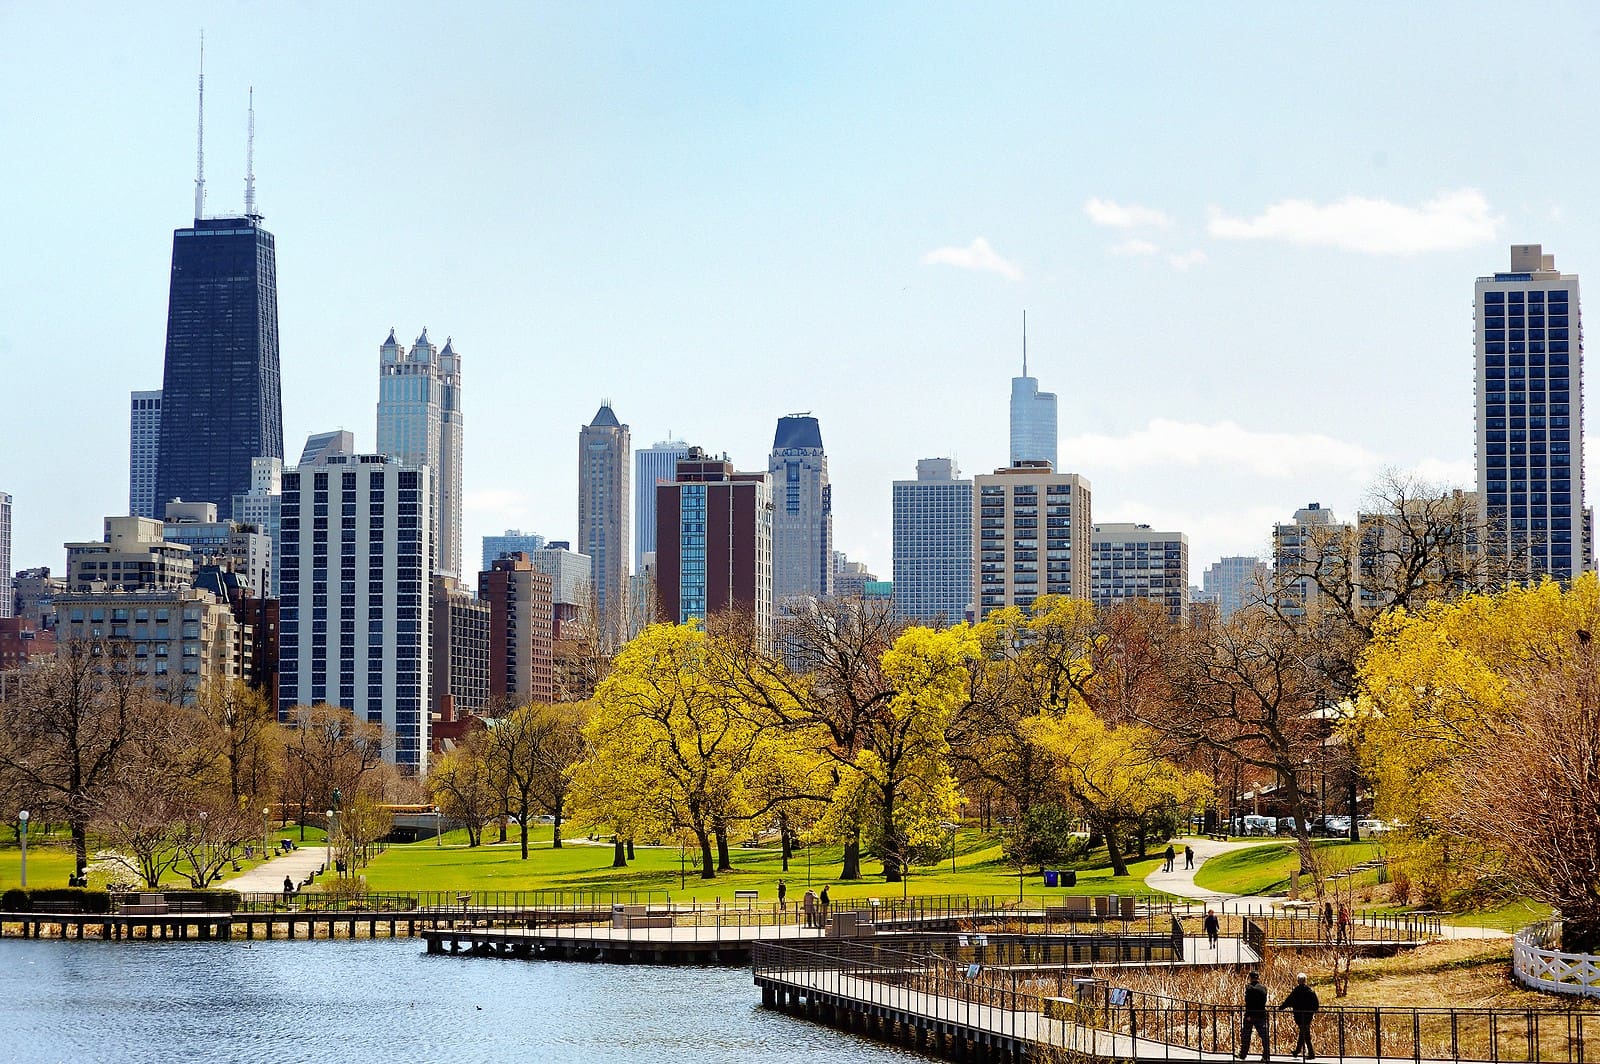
(51, 861)
(1265, 869)
(584, 866)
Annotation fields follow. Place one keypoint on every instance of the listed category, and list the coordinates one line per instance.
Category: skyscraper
(514, 541)
(521, 629)
(603, 514)
(144, 446)
(933, 544)
(1015, 564)
(1129, 562)
(1033, 415)
(656, 464)
(1530, 415)
(5, 555)
(802, 518)
(1235, 582)
(1314, 542)
(262, 506)
(355, 579)
(714, 551)
(420, 423)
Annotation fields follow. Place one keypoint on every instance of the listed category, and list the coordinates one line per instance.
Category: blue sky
(1245, 235)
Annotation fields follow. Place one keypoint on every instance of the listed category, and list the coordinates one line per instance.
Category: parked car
(1369, 828)
(1258, 825)
(1337, 825)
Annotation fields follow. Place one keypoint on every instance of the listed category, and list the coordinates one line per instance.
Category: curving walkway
(267, 877)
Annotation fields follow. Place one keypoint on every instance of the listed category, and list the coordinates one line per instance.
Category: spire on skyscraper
(1024, 343)
(250, 160)
(200, 139)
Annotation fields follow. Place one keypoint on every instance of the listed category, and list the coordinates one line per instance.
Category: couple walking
(815, 908)
(1172, 855)
(1301, 1001)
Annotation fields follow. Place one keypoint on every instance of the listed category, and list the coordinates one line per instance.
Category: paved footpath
(267, 878)
(1180, 881)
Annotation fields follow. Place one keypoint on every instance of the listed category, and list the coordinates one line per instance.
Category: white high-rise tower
(802, 511)
(420, 423)
(656, 464)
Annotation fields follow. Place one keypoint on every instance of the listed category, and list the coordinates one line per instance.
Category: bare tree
(326, 750)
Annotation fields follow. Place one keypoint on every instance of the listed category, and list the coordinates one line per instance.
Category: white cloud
(1123, 215)
(1447, 472)
(1225, 446)
(1448, 221)
(978, 255)
(1184, 260)
(1133, 248)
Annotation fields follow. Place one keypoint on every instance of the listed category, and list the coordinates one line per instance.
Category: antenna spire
(1024, 343)
(200, 140)
(250, 160)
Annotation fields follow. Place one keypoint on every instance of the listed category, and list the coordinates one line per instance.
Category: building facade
(354, 614)
(656, 464)
(1030, 533)
(571, 582)
(932, 529)
(172, 635)
(34, 593)
(22, 642)
(262, 508)
(521, 631)
(144, 448)
(515, 541)
(802, 511)
(134, 555)
(7, 601)
(241, 549)
(1033, 419)
(420, 423)
(220, 399)
(603, 478)
(1529, 378)
(714, 543)
(1236, 582)
(460, 628)
(1314, 540)
(1128, 562)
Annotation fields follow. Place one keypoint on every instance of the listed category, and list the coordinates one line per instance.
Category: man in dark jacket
(1213, 926)
(1255, 1017)
(1303, 1001)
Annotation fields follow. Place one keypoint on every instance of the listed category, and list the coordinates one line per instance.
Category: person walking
(288, 888)
(1302, 1000)
(1343, 935)
(1327, 922)
(1171, 856)
(1188, 857)
(1255, 1017)
(783, 892)
(809, 905)
(823, 912)
(1212, 926)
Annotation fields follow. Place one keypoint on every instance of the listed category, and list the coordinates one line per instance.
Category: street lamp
(23, 818)
(327, 863)
(266, 832)
(438, 829)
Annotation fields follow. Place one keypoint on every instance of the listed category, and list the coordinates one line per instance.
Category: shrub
(15, 900)
(87, 901)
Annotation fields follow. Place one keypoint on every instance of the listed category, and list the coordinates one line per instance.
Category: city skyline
(921, 277)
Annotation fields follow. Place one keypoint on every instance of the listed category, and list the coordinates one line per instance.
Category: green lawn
(584, 866)
(50, 860)
(1265, 869)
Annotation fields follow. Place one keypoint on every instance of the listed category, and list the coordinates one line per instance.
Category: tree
(1481, 725)
(467, 787)
(326, 750)
(247, 725)
(363, 821)
(560, 746)
(534, 749)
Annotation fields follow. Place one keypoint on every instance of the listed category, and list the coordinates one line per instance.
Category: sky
(1245, 235)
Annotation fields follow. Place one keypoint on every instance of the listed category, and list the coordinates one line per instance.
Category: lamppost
(266, 832)
(438, 829)
(327, 862)
(23, 818)
(952, 828)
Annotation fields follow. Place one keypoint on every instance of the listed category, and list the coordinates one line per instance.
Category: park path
(267, 877)
(1180, 881)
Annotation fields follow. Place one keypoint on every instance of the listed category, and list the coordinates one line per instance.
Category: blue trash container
(1051, 876)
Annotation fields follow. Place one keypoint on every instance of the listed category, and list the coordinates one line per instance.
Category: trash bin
(1051, 876)
(1069, 878)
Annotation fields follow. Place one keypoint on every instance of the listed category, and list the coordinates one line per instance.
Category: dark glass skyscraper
(220, 401)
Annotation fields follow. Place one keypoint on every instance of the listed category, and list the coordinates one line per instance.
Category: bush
(87, 901)
(15, 900)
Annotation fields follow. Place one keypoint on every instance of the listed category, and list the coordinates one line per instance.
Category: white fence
(1537, 964)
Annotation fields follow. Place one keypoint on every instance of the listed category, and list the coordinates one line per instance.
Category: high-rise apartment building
(1033, 416)
(802, 511)
(933, 544)
(220, 404)
(243, 550)
(1030, 531)
(420, 423)
(656, 464)
(603, 468)
(460, 629)
(33, 596)
(1529, 340)
(571, 584)
(133, 555)
(171, 633)
(7, 605)
(714, 543)
(1130, 561)
(262, 508)
(521, 631)
(1314, 541)
(355, 579)
(1235, 582)
(515, 541)
(144, 447)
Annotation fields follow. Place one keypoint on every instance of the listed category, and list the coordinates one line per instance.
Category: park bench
(1070, 908)
(188, 905)
(850, 925)
(144, 905)
(628, 917)
(57, 907)
(746, 895)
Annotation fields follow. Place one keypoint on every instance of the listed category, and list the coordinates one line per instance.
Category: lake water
(383, 1001)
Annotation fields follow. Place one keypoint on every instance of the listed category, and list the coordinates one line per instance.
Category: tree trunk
(1580, 934)
(724, 862)
(785, 843)
(80, 845)
(619, 853)
(555, 840)
(503, 822)
(708, 860)
(523, 820)
(1119, 866)
(630, 847)
(852, 860)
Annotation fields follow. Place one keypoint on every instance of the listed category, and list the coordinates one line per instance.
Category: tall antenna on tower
(200, 139)
(1024, 343)
(250, 160)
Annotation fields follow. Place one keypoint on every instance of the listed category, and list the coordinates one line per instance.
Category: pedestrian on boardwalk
(809, 904)
(783, 892)
(824, 910)
(1255, 1017)
(1327, 922)
(1212, 926)
(1344, 925)
(1303, 1001)
(1188, 857)
(1171, 856)
(288, 887)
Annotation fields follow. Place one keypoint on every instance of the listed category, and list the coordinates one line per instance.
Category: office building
(1235, 582)
(714, 543)
(420, 423)
(603, 471)
(33, 594)
(513, 541)
(932, 528)
(240, 549)
(220, 404)
(656, 464)
(23, 643)
(1130, 561)
(571, 586)
(1314, 542)
(1015, 564)
(355, 579)
(850, 579)
(1033, 416)
(134, 555)
(171, 634)
(1529, 393)
(802, 511)
(262, 508)
(322, 446)
(460, 627)
(521, 631)
(7, 603)
(144, 446)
